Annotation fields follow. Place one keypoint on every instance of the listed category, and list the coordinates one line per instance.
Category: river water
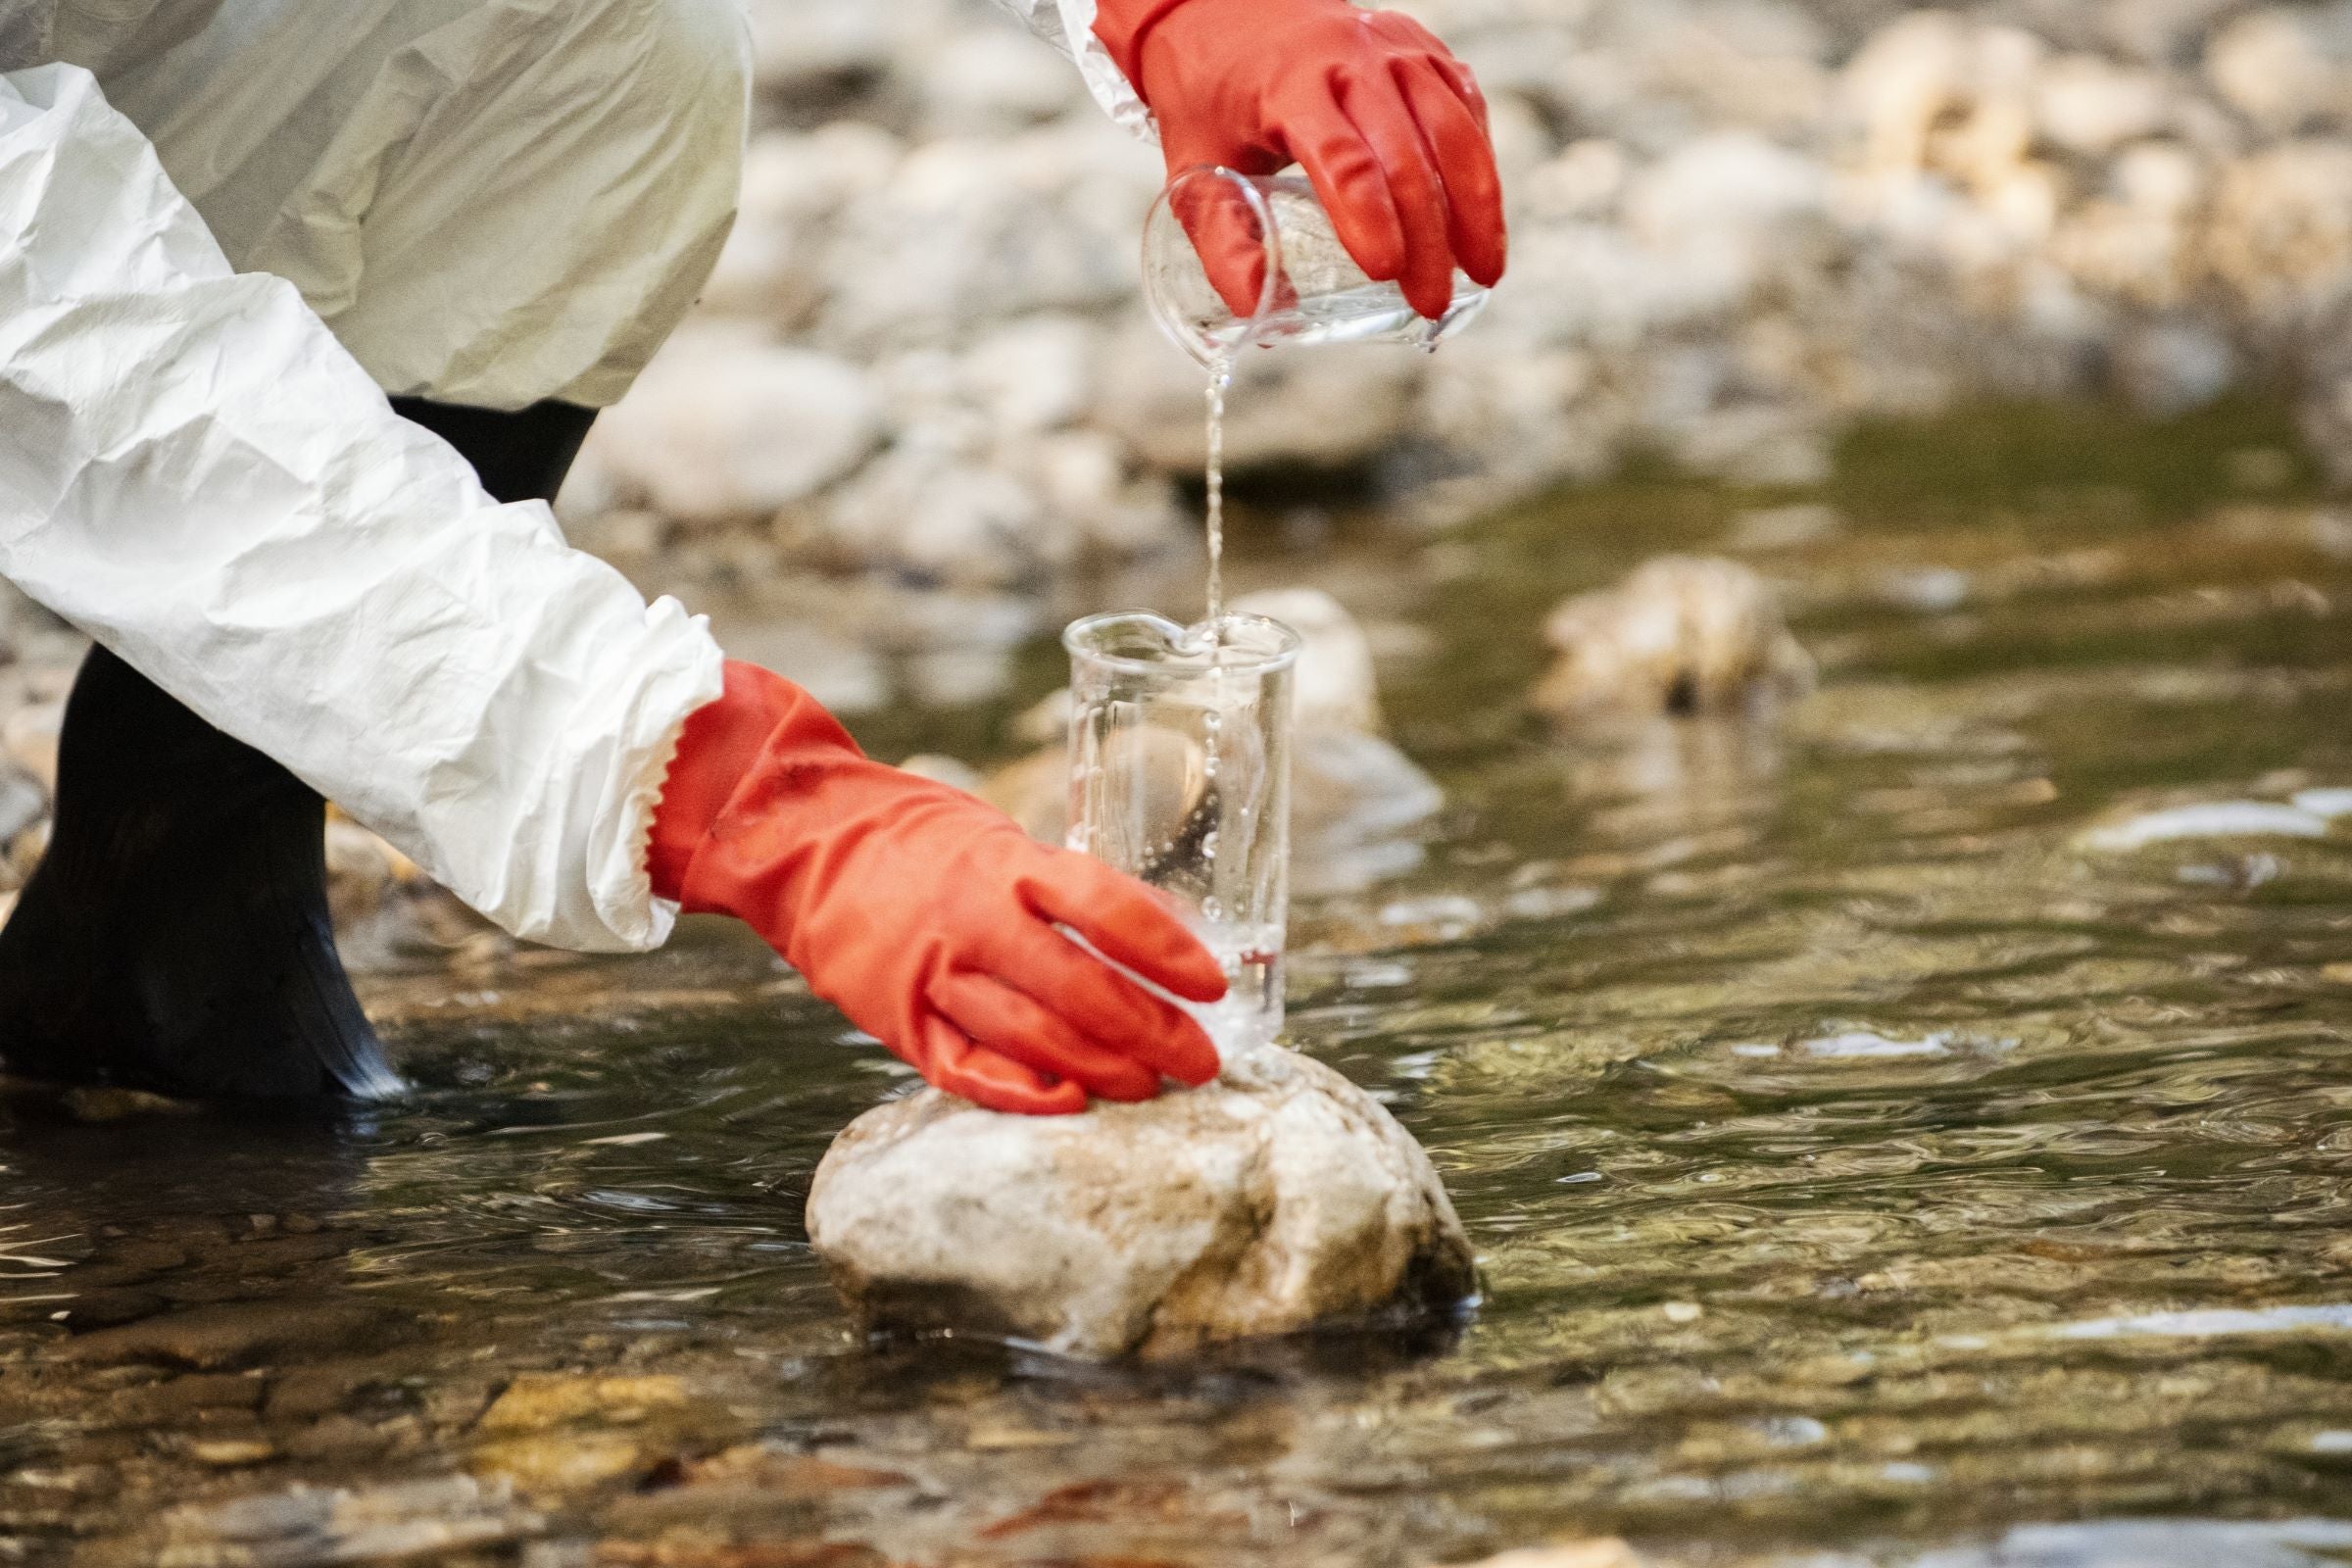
(1864, 1168)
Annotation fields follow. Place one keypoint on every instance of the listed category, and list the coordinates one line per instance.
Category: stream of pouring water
(1220, 376)
(1228, 1023)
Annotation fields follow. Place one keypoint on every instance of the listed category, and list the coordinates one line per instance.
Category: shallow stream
(1864, 1168)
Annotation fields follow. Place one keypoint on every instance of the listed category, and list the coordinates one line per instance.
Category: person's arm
(195, 471)
(1384, 121)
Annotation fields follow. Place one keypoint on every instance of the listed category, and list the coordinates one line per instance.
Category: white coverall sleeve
(193, 471)
(1069, 25)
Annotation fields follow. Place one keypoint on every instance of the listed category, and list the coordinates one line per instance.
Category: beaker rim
(1286, 642)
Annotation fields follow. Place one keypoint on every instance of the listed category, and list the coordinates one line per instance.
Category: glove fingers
(1353, 186)
(1002, 1019)
(1397, 28)
(1225, 232)
(1465, 161)
(1385, 120)
(1127, 924)
(1104, 1007)
(986, 1078)
(1414, 41)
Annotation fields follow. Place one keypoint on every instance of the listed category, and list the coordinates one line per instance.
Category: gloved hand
(925, 914)
(1388, 124)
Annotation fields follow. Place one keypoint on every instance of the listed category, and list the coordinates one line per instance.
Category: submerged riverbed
(1867, 1166)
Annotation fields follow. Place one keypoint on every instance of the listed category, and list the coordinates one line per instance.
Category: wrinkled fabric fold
(491, 202)
(220, 252)
(1069, 25)
(196, 473)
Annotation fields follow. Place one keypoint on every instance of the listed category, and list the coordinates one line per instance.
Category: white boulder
(724, 427)
(1278, 1198)
(1334, 685)
(918, 511)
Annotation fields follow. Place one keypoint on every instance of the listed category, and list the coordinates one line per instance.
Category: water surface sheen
(1864, 1170)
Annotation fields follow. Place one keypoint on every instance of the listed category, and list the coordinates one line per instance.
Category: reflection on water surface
(1876, 1156)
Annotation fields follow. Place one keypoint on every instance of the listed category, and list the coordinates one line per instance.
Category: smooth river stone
(1278, 1198)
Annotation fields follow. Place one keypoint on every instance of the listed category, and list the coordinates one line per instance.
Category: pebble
(554, 1434)
(227, 1453)
(535, 1400)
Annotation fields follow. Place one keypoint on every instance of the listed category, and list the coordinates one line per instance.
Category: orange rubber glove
(1388, 124)
(925, 914)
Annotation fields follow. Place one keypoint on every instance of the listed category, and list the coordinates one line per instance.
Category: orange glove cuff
(716, 751)
(1123, 25)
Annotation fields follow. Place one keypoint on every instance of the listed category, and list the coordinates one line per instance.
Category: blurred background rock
(920, 416)
(1737, 225)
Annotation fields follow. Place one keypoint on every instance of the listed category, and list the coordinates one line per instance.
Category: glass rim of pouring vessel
(1284, 652)
(1171, 321)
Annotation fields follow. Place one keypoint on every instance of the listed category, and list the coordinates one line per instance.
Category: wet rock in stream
(1683, 634)
(1276, 1199)
(554, 1434)
(1597, 1554)
(231, 1334)
(414, 1521)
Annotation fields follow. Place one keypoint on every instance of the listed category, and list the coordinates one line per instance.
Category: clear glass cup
(1179, 774)
(1314, 290)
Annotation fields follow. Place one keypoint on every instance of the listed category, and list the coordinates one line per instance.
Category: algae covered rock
(1684, 634)
(1280, 1197)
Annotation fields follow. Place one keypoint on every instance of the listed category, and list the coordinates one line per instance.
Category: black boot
(175, 936)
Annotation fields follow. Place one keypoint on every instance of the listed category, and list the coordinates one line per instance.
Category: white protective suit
(227, 229)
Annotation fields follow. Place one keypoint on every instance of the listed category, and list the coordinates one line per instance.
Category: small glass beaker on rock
(1180, 775)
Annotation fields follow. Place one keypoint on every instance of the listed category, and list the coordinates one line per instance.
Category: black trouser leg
(175, 936)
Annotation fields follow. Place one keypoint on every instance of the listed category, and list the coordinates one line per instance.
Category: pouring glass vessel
(1312, 290)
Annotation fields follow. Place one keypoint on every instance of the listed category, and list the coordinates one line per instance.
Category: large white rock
(1278, 1198)
(796, 186)
(971, 230)
(1334, 685)
(725, 427)
(934, 515)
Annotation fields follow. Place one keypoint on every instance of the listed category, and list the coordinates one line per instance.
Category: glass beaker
(1180, 775)
(1312, 292)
